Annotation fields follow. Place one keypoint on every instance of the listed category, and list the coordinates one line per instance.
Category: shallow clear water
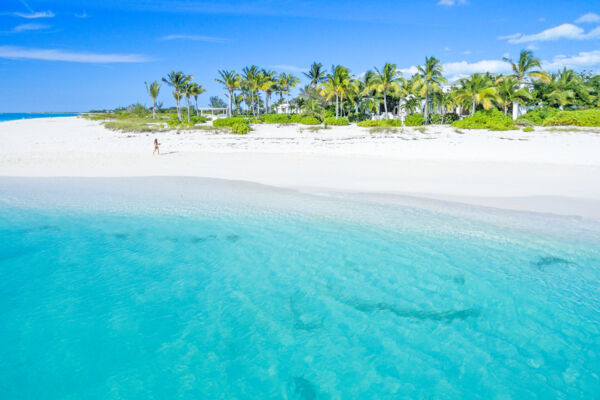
(17, 116)
(257, 294)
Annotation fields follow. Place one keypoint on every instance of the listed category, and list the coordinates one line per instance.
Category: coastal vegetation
(381, 97)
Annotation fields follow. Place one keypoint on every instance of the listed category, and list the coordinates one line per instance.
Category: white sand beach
(544, 171)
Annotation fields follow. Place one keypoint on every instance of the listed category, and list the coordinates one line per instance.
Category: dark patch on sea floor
(202, 239)
(121, 236)
(302, 388)
(548, 261)
(233, 238)
(420, 315)
(459, 279)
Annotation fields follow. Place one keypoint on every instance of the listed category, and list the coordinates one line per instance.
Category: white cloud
(457, 70)
(35, 15)
(532, 47)
(82, 15)
(467, 52)
(30, 27)
(447, 48)
(285, 67)
(588, 18)
(198, 38)
(563, 31)
(450, 3)
(21, 53)
(584, 59)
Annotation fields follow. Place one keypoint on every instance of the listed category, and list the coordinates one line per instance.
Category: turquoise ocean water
(231, 291)
(17, 116)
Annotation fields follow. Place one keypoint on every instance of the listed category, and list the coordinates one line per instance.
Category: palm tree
(286, 82)
(231, 81)
(177, 96)
(386, 79)
(404, 91)
(250, 78)
(177, 80)
(316, 74)
(335, 84)
(509, 92)
(429, 79)
(153, 89)
(312, 107)
(478, 89)
(187, 92)
(523, 70)
(196, 90)
(267, 84)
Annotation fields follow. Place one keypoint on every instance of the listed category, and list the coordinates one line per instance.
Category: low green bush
(414, 120)
(370, 123)
(589, 117)
(450, 118)
(336, 121)
(275, 118)
(240, 128)
(196, 119)
(528, 129)
(228, 122)
(435, 119)
(537, 116)
(309, 121)
(523, 122)
(493, 120)
(357, 117)
(295, 118)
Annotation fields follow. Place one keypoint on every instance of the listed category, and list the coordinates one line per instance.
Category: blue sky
(73, 55)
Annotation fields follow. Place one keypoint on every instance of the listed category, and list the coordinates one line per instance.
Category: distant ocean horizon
(17, 116)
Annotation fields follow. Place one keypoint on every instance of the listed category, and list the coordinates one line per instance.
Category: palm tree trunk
(154, 108)
(230, 111)
(188, 107)
(385, 104)
(258, 103)
(178, 107)
(336, 105)
(287, 99)
(426, 111)
(515, 110)
(505, 109)
(197, 112)
(473, 107)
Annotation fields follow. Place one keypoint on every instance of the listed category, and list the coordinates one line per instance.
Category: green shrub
(435, 119)
(240, 128)
(493, 120)
(523, 122)
(195, 119)
(369, 123)
(275, 118)
(228, 122)
(450, 118)
(336, 121)
(255, 120)
(357, 117)
(295, 118)
(590, 117)
(414, 120)
(528, 129)
(309, 121)
(538, 116)
(173, 122)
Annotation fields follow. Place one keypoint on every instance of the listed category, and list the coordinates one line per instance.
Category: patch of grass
(589, 117)
(459, 131)
(386, 129)
(98, 117)
(421, 129)
(572, 129)
(133, 125)
(528, 129)
(313, 129)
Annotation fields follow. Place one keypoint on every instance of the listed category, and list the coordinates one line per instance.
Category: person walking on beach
(156, 149)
